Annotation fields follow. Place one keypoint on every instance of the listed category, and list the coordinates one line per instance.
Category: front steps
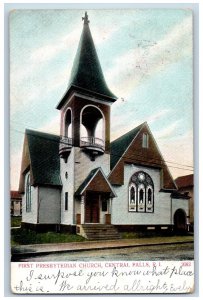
(98, 232)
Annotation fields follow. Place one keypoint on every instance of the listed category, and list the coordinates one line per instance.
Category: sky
(146, 57)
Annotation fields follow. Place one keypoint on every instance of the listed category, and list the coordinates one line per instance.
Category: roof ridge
(38, 133)
(119, 146)
(89, 179)
(185, 176)
(44, 157)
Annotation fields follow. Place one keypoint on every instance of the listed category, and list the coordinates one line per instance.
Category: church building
(80, 181)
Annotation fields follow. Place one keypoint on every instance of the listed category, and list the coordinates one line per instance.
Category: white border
(4, 124)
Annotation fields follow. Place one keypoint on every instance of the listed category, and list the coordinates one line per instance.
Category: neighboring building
(79, 181)
(185, 185)
(16, 204)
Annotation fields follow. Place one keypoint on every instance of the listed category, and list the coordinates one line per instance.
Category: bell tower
(85, 106)
(85, 116)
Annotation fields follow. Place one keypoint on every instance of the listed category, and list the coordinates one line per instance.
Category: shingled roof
(120, 145)
(86, 181)
(43, 149)
(86, 75)
(184, 181)
(128, 149)
(15, 195)
(100, 178)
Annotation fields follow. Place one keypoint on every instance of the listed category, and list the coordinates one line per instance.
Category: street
(161, 252)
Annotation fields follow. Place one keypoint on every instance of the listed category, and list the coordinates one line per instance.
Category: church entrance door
(180, 221)
(92, 208)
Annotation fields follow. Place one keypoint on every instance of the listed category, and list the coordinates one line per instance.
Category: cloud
(52, 126)
(127, 122)
(59, 80)
(67, 42)
(26, 85)
(32, 89)
(167, 132)
(156, 116)
(21, 96)
(149, 57)
(102, 35)
(49, 51)
(178, 153)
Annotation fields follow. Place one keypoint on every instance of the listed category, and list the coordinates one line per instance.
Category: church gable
(141, 150)
(96, 181)
(99, 184)
(40, 154)
(119, 146)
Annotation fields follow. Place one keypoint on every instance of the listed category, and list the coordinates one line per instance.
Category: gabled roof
(185, 181)
(86, 75)
(44, 163)
(96, 181)
(120, 145)
(15, 195)
(128, 149)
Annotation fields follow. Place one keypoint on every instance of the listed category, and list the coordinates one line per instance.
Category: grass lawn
(148, 234)
(25, 237)
(134, 235)
(16, 221)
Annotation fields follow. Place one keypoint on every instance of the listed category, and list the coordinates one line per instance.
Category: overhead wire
(139, 158)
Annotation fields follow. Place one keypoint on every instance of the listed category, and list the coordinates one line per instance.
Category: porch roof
(96, 181)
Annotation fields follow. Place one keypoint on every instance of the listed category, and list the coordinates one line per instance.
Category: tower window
(68, 124)
(145, 140)
(66, 200)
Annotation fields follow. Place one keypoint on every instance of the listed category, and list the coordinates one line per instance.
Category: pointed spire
(86, 75)
(85, 19)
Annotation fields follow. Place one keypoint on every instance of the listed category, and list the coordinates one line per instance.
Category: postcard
(101, 131)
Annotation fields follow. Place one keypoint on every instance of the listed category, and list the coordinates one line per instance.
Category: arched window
(28, 194)
(68, 124)
(132, 198)
(150, 200)
(132, 195)
(149, 196)
(141, 196)
(141, 193)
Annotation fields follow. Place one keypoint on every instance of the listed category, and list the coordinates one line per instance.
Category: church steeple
(86, 75)
(85, 19)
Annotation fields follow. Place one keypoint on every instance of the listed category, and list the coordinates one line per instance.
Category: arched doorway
(92, 129)
(180, 221)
